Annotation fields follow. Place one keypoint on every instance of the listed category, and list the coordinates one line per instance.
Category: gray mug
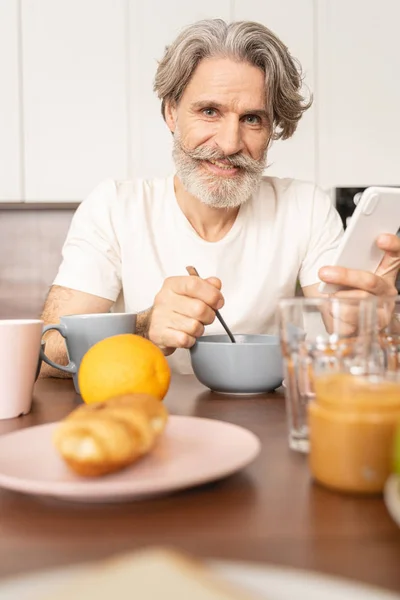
(81, 332)
(39, 365)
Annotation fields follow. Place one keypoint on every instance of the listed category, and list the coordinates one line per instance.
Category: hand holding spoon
(192, 271)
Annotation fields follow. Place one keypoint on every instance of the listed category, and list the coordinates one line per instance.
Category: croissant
(96, 439)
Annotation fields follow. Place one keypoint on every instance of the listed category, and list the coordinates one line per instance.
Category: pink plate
(191, 451)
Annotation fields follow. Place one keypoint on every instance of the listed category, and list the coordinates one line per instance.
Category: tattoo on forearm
(143, 322)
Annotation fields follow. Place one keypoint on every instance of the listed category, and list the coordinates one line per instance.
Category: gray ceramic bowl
(251, 366)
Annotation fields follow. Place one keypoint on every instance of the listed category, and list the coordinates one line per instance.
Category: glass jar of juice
(352, 423)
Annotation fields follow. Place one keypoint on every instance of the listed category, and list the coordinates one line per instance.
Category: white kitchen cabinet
(293, 22)
(75, 89)
(359, 92)
(10, 107)
(153, 25)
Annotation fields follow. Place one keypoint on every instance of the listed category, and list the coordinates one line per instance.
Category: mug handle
(71, 366)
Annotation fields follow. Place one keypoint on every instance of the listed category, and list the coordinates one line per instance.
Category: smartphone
(378, 211)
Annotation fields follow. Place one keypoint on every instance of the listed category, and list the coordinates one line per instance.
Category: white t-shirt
(127, 237)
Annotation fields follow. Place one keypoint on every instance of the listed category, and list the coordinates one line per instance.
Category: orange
(123, 364)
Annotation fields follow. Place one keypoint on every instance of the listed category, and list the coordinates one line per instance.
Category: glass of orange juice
(353, 416)
(352, 422)
(323, 336)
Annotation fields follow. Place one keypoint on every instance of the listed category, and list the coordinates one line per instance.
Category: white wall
(77, 104)
(74, 89)
(358, 98)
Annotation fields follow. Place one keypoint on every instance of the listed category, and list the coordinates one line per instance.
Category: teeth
(222, 165)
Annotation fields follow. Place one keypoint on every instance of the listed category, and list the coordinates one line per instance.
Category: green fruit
(396, 464)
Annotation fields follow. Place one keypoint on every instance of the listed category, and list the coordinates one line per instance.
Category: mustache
(236, 160)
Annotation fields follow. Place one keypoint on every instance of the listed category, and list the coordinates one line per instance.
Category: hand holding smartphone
(377, 212)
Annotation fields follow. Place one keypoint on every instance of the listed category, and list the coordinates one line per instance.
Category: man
(227, 91)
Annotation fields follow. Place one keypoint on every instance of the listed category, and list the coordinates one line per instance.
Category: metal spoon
(192, 271)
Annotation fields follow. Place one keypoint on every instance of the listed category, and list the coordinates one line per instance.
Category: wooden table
(269, 512)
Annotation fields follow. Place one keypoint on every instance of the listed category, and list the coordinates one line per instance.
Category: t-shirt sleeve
(326, 229)
(91, 257)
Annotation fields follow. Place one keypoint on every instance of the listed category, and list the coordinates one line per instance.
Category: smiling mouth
(219, 166)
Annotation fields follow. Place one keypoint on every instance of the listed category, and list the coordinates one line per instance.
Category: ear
(170, 115)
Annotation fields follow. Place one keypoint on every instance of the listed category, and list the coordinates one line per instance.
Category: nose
(228, 137)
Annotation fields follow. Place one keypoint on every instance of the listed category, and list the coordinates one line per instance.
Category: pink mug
(19, 355)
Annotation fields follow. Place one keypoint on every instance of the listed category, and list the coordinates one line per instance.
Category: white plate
(392, 497)
(269, 583)
(191, 451)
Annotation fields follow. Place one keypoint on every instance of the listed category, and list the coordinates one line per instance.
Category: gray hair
(245, 41)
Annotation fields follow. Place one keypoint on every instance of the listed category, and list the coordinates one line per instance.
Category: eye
(209, 112)
(252, 119)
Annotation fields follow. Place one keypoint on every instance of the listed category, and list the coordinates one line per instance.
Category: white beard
(209, 188)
